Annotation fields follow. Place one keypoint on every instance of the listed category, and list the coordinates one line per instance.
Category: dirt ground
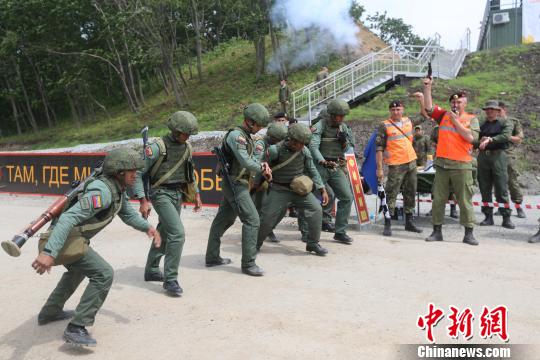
(359, 302)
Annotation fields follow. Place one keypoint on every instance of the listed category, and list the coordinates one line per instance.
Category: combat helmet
(122, 159)
(257, 113)
(184, 122)
(338, 107)
(300, 132)
(277, 131)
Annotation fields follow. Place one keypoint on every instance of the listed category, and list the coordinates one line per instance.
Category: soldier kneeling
(294, 174)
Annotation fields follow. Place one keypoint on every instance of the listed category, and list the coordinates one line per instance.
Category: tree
(393, 30)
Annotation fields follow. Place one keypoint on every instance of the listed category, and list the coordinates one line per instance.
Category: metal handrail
(374, 69)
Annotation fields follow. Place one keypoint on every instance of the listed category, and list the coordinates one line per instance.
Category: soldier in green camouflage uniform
(495, 136)
(421, 146)
(331, 139)
(512, 156)
(290, 162)
(169, 168)
(239, 146)
(67, 243)
(401, 176)
(276, 133)
(284, 95)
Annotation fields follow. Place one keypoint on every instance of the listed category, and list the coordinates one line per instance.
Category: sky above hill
(448, 18)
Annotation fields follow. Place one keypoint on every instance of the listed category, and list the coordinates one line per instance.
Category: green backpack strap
(162, 153)
(186, 155)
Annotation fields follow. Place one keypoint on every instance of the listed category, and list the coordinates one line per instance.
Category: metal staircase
(359, 78)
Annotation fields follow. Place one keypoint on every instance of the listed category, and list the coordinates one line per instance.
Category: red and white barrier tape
(493, 204)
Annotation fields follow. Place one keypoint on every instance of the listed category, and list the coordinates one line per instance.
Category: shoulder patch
(85, 203)
(259, 147)
(148, 151)
(313, 129)
(96, 202)
(241, 140)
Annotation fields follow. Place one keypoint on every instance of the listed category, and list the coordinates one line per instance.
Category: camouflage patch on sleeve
(85, 203)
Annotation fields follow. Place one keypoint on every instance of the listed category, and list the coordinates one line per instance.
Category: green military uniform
(422, 147)
(512, 156)
(281, 194)
(101, 200)
(167, 198)
(328, 143)
(284, 97)
(492, 166)
(239, 146)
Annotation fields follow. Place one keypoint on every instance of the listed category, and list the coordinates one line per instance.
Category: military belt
(490, 152)
(172, 186)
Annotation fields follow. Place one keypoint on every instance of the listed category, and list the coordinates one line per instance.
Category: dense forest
(69, 60)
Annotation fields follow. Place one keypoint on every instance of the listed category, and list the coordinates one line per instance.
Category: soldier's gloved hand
(328, 164)
(145, 208)
(154, 234)
(325, 198)
(43, 263)
(198, 203)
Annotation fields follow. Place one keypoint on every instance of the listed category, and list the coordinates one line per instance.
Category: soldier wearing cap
(67, 243)
(421, 146)
(239, 147)
(511, 155)
(276, 133)
(284, 95)
(495, 136)
(331, 139)
(169, 167)
(293, 178)
(394, 144)
(281, 117)
(458, 130)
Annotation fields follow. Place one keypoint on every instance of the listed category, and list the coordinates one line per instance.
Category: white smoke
(315, 31)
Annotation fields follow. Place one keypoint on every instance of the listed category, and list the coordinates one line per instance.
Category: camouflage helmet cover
(300, 132)
(277, 131)
(184, 122)
(122, 159)
(338, 107)
(257, 113)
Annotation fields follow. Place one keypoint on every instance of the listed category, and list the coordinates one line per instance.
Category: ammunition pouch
(302, 185)
(74, 248)
(189, 192)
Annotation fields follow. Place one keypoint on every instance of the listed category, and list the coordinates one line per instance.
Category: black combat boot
(328, 227)
(387, 227)
(272, 237)
(409, 225)
(148, 276)
(317, 249)
(507, 223)
(62, 315)
(436, 235)
(453, 211)
(78, 335)
(520, 213)
(173, 288)
(220, 261)
(535, 238)
(343, 238)
(253, 270)
(469, 238)
(488, 213)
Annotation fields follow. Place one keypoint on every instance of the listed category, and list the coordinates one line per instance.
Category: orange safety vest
(451, 145)
(399, 149)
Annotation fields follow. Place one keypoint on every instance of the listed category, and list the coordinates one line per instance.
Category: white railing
(370, 71)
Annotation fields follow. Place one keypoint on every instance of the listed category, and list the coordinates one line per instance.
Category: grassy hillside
(229, 83)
